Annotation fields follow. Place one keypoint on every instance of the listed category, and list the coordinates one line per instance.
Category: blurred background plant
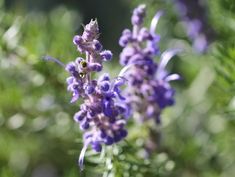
(38, 137)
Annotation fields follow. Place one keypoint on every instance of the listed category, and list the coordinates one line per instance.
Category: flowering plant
(103, 114)
(149, 91)
(105, 109)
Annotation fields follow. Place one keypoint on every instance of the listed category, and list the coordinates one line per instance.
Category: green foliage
(38, 134)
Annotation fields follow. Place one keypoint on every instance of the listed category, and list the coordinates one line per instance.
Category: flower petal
(49, 58)
(82, 154)
(154, 21)
(118, 83)
(166, 56)
(74, 98)
(172, 77)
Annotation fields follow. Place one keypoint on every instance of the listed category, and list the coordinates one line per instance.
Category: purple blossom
(103, 114)
(138, 15)
(105, 109)
(149, 91)
(196, 24)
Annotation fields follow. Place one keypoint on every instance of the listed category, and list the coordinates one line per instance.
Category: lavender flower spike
(196, 24)
(102, 115)
(148, 91)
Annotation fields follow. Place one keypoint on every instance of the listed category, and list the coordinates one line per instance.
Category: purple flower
(196, 24)
(149, 91)
(106, 55)
(103, 114)
(138, 15)
(100, 116)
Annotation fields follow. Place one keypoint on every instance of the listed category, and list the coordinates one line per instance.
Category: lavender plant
(103, 114)
(149, 91)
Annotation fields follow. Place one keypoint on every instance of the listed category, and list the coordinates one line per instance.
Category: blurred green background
(38, 137)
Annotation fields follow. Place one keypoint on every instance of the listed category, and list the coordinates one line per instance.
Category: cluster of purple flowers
(104, 111)
(194, 16)
(103, 114)
(149, 91)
